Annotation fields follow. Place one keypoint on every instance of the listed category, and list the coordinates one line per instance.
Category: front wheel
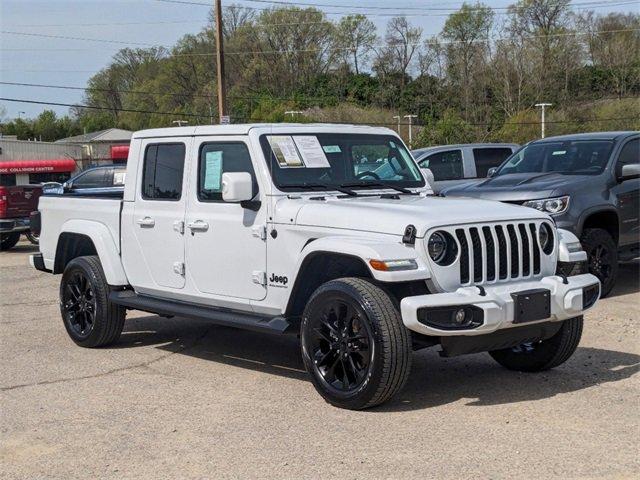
(354, 344)
(602, 257)
(544, 354)
(90, 319)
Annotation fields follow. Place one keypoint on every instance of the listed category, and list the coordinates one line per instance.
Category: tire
(374, 355)
(602, 257)
(9, 240)
(545, 354)
(90, 319)
(33, 238)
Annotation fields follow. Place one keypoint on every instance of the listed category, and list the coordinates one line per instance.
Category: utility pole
(222, 94)
(398, 117)
(543, 106)
(410, 117)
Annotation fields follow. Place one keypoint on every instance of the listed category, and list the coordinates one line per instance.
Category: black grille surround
(496, 252)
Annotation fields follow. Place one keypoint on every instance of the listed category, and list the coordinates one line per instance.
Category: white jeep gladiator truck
(326, 231)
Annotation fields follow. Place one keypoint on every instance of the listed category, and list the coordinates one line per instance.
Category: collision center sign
(38, 166)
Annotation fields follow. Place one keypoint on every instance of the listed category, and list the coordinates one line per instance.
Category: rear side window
(163, 169)
(216, 159)
(95, 178)
(445, 165)
(487, 158)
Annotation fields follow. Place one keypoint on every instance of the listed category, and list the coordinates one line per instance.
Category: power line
(84, 39)
(150, 112)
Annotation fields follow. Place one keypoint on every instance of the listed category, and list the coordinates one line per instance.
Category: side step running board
(219, 316)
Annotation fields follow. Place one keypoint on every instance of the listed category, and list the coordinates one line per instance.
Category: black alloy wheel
(341, 345)
(602, 257)
(79, 304)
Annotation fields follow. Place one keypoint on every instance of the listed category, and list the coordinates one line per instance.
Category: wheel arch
(79, 238)
(330, 258)
(605, 218)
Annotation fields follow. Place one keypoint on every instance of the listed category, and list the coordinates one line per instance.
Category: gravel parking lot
(183, 399)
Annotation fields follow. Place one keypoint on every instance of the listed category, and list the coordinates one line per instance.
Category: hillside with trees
(477, 80)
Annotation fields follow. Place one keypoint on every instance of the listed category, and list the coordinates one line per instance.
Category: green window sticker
(213, 171)
(331, 148)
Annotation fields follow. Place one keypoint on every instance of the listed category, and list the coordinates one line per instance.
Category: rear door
(225, 242)
(158, 219)
(488, 157)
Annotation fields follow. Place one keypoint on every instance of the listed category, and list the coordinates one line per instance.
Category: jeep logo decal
(278, 279)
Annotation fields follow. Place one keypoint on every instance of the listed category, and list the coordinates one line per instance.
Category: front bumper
(14, 225)
(497, 304)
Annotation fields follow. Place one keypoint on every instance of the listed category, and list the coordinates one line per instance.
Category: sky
(28, 58)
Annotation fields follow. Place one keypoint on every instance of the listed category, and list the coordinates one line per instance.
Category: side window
(163, 169)
(487, 158)
(91, 179)
(629, 154)
(445, 165)
(216, 159)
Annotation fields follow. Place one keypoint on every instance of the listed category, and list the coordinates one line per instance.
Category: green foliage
(451, 128)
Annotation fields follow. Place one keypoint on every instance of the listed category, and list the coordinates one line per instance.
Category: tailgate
(21, 200)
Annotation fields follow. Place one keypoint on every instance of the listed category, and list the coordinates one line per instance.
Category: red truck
(16, 204)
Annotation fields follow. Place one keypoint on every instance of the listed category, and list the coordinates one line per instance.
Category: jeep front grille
(498, 252)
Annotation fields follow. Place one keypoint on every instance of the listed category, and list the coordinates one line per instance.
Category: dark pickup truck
(16, 204)
(589, 183)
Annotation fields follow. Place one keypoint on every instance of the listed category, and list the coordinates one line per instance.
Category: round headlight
(545, 238)
(442, 248)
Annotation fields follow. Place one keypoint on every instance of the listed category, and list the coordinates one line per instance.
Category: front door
(158, 217)
(627, 194)
(225, 242)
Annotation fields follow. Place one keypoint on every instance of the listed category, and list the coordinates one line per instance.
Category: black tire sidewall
(592, 238)
(9, 240)
(100, 290)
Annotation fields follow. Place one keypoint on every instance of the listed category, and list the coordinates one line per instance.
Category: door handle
(198, 226)
(146, 222)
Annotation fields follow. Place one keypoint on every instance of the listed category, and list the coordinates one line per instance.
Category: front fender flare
(106, 248)
(369, 249)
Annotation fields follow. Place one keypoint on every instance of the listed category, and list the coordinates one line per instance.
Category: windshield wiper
(380, 184)
(323, 186)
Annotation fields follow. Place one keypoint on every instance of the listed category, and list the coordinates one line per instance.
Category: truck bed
(60, 213)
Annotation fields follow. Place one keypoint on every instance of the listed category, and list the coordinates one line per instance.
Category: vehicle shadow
(23, 247)
(434, 381)
(628, 280)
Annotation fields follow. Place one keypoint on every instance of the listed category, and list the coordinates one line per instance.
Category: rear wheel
(9, 240)
(354, 344)
(544, 354)
(602, 257)
(90, 319)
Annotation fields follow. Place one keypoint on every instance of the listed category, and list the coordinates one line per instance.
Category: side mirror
(630, 171)
(67, 186)
(428, 175)
(491, 172)
(237, 187)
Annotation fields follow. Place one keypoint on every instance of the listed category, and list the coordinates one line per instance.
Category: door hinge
(178, 267)
(260, 232)
(178, 226)
(259, 277)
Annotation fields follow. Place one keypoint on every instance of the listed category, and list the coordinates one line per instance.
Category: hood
(391, 216)
(519, 186)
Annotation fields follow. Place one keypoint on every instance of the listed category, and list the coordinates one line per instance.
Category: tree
(355, 38)
(401, 43)
(467, 33)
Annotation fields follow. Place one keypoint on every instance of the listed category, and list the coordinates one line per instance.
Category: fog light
(460, 316)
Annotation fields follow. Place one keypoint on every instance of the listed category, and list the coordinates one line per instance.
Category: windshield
(588, 157)
(316, 161)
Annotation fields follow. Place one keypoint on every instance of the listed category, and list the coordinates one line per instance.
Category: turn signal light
(393, 265)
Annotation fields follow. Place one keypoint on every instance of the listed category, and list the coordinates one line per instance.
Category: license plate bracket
(531, 305)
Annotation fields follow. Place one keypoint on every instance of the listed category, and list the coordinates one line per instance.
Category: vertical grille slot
(526, 263)
(464, 256)
(515, 251)
(502, 252)
(476, 245)
(536, 249)
(491, 253)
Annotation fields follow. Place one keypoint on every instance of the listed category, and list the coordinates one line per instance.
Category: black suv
(589, 183)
